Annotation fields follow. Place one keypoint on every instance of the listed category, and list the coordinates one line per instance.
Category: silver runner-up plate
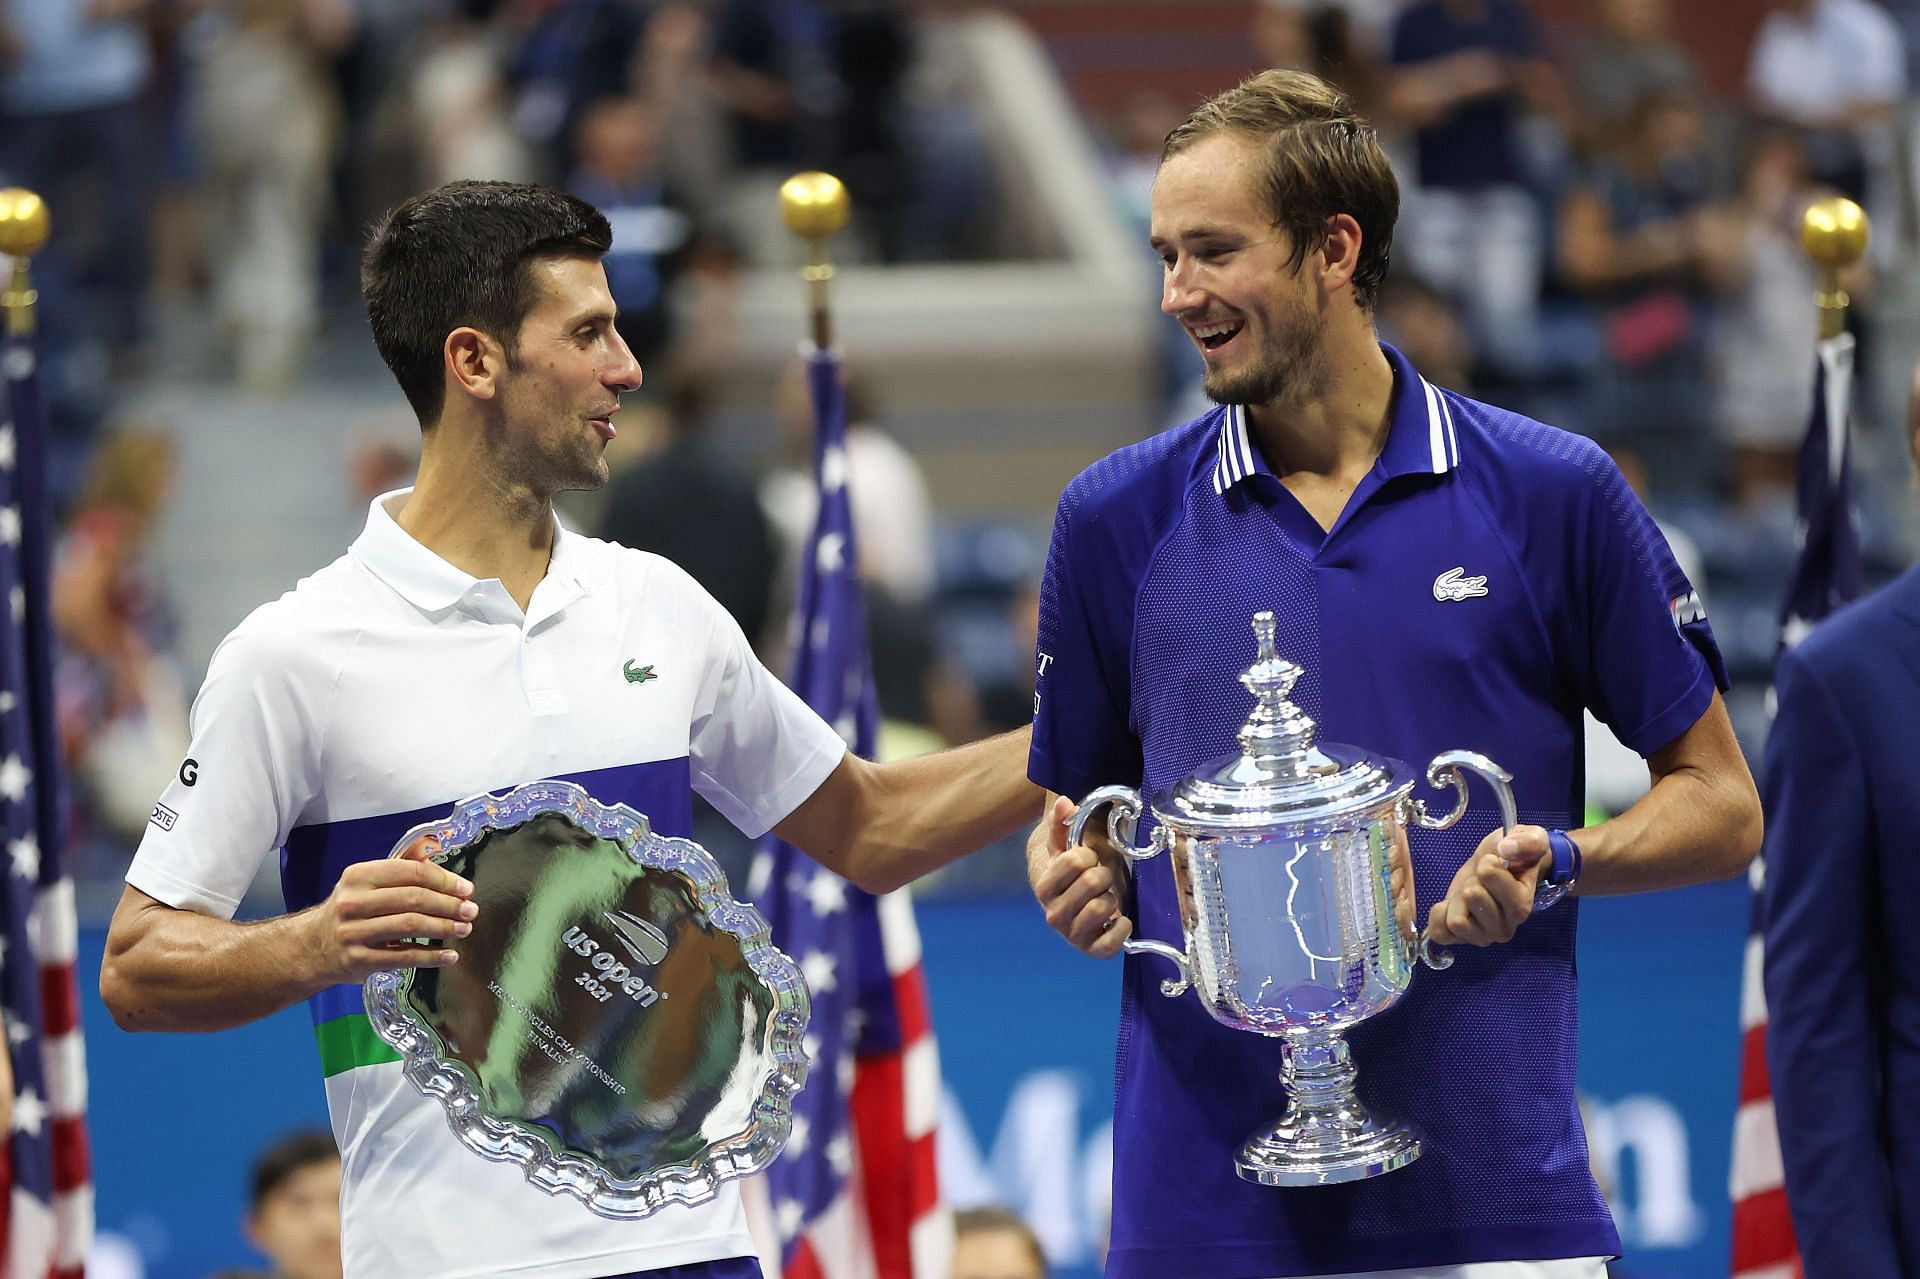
(617, 1024)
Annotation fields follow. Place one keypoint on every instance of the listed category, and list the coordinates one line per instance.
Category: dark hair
(983, 1220)
(456, 256)
(1321, 159)
(293, 1153)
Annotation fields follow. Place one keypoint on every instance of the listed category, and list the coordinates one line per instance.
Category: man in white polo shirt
(465, 643)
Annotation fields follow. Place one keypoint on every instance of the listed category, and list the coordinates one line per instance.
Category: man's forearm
(917, 815)
(179, 970)
(1690, 828)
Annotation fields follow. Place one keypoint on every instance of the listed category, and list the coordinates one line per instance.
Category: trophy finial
(1278, 733)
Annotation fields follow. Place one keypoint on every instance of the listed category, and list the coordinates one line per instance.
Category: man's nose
(1177, 292)
(624, 374)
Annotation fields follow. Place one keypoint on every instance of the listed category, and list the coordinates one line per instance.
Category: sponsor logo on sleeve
(1686, 609)
(163, 817)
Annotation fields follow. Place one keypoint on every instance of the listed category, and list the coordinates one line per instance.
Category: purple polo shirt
(1161, 554)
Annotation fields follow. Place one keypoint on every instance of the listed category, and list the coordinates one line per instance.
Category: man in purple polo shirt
(1339, 489)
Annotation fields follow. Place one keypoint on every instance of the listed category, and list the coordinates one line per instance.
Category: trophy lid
(1280, 777)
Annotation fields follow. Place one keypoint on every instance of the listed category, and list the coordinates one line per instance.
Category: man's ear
(474, 363)
(1339, 255)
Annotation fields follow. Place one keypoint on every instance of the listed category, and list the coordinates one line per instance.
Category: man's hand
(382, 914)
(1492, 894)
(1079, 889)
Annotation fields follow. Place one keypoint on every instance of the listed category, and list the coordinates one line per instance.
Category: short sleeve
(1082, 731)
(758, 750)
(1645, 655)
(252, 767)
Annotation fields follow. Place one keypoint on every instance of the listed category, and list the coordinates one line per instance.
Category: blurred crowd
(1590, 233)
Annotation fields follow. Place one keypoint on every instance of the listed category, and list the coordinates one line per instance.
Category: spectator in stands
(1320, 37)
(119, 702)
(1762, 366)
(1645, 239)
(294, 1210)
(1629, 56)
(267, 189)
(568, 55)
(1836, 69)
(994, 1243)
(73, 127)
(1462, 74)
(892, 512)
(456, 106)
(692, 501)
(823, 84)
(657, 239)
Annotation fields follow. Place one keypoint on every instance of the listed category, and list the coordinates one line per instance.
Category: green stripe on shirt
(349, 1042)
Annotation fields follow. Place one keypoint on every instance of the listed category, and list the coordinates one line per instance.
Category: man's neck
(468, 517)
(1336, 428)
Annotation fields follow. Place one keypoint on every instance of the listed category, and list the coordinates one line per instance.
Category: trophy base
(1291, 1156)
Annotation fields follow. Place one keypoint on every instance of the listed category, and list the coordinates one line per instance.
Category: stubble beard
(1289, 368)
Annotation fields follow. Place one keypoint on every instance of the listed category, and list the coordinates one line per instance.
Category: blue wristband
(1566, 859)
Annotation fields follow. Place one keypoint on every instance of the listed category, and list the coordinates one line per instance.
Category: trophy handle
(1123, 806)
(1447, 770)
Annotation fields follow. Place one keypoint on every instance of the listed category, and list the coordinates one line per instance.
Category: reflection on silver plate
(618, 1025)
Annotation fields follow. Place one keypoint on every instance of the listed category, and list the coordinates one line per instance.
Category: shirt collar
(431, 584)
(1420, 435)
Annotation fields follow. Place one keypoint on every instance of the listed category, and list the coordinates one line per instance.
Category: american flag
(47, 1198)
(854, 1195)
(1826, 576)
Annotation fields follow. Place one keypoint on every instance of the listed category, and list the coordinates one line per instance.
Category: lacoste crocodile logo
(1455, 585)
(638, 674)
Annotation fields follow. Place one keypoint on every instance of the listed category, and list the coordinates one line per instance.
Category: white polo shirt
(375, 695)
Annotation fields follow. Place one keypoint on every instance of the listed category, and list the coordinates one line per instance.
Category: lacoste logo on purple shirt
(1455, 585)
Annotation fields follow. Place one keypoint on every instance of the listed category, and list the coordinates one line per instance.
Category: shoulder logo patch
(638, 674)
(1687, 609)
(1454, 584)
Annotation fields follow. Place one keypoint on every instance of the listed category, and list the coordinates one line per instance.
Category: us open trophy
(1289, 860)
(618, 1025)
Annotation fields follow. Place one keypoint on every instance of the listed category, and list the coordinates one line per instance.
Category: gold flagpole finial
(23, 229)
(1834, 233)
(815, 206)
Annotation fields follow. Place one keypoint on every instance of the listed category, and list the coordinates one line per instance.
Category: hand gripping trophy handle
(1450, 769)
(1123, 805)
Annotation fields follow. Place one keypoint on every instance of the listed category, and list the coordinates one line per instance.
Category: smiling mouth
(1214, 336)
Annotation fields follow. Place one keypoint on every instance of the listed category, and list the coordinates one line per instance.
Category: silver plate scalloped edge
(740, 1155)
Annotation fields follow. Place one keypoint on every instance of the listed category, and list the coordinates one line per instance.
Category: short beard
(1291, 368)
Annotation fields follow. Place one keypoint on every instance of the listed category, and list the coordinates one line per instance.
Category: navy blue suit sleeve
(1823, 1044)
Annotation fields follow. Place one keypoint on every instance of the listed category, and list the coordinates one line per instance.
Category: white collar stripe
(1436, 429)
(1453, 440)
(1236, 453)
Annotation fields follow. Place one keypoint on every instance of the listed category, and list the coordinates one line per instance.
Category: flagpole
(815, 207)
(1834, 234)
(23, 229)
